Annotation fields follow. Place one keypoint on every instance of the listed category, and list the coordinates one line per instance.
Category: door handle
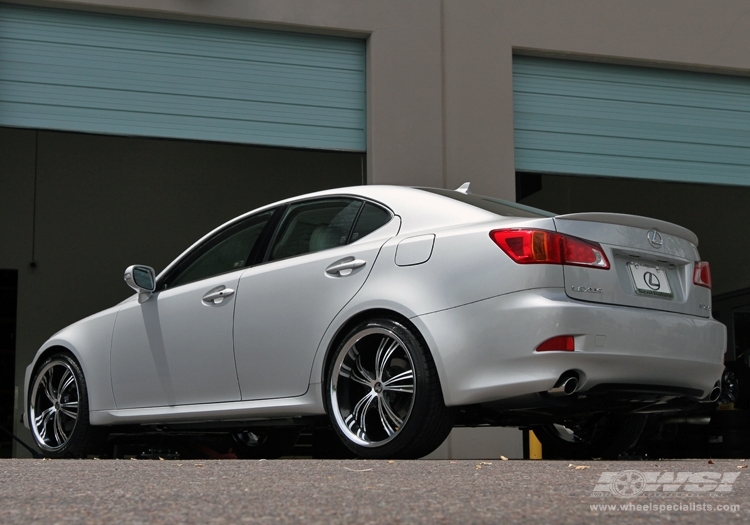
(217, 296)
(345, 266)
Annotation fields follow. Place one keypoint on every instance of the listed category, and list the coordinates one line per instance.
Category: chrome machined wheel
(54, 405)
(372, 387)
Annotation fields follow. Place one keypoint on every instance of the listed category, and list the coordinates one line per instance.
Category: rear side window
(371, 218)
(313, 226)
(497, 206)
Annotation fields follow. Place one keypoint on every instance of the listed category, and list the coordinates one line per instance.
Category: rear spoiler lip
(636, 221)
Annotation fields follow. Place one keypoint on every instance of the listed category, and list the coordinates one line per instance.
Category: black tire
(383, 394)
(268, 443)
(58, 410)
(604, 437)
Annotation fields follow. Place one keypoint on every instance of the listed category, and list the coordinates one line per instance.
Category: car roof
(418, 209)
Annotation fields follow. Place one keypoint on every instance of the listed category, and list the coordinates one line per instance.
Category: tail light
(702, 274)
(530, 246)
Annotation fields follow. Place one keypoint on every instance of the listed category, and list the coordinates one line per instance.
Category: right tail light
(702, 274)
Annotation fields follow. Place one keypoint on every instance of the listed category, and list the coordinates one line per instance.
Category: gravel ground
(353, 491)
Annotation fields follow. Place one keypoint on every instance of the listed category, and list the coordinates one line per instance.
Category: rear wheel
(603, 437)
(59, 409)
(383, 394)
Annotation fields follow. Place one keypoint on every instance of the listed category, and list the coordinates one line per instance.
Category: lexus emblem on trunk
(654, 237)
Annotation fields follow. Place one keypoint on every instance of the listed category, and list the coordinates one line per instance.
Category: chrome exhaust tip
(565, 386)
(714, 395)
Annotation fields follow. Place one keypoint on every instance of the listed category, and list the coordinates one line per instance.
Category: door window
(370, 219)
(316, 225)
(228, 250)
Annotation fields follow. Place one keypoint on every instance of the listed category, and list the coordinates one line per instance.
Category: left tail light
(532, 246)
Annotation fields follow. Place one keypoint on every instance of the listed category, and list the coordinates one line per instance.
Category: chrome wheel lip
(54, 413)
(377, 387)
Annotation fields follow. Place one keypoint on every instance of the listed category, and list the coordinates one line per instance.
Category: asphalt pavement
(373, 492)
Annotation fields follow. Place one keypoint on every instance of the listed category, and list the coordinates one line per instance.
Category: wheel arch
(373, 313)
(89, 342)
(43, 354)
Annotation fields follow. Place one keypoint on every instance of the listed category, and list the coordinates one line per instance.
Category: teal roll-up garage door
(98, 73)
(610, 120)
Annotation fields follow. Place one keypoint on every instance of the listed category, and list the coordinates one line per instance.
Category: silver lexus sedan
(393, 314)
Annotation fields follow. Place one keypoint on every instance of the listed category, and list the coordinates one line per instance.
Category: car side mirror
(142, 279)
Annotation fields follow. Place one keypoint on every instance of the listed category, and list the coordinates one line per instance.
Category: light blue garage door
(97, 73)
(611, 120)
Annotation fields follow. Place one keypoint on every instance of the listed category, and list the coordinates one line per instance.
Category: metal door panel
(284, 308)
(175, 348)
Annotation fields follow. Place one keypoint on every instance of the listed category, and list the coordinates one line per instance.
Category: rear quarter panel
(466, 266)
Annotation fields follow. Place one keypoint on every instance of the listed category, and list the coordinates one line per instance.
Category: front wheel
(58, 409)
(604, 436)
(383, 393)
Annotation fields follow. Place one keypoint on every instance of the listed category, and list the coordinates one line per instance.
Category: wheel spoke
(386, 414)
(65, 409)
(380, 359)
(365, 374)
(59, 433)
(41, 420)
(65, 382)
(46, 384)
(407, 375)
(360, 411)
(356, 375)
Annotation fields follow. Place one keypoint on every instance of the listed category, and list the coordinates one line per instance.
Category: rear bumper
(484, 351)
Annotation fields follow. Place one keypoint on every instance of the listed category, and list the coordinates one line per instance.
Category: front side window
(313, 226)
(228, 250)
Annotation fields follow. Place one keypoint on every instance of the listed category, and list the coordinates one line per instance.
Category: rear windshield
(498, 206)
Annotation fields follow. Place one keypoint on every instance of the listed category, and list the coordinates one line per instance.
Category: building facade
(129, 128)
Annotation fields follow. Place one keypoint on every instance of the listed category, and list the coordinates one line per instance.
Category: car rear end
(628, 322)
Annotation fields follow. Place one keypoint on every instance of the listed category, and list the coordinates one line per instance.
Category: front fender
(89, 341)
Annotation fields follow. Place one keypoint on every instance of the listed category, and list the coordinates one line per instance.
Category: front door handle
(345, 266)
(217, 296)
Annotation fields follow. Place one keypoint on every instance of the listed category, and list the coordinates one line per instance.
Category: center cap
(378, 388)
(57, 405)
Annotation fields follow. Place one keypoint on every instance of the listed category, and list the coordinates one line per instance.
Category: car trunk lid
(652, 263)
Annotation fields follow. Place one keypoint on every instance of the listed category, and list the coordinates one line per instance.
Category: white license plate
(650, 280)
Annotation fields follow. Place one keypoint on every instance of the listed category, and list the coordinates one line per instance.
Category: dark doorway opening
(8, 299)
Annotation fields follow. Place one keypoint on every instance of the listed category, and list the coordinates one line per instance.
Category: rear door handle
(345, 266)
(217, 296)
